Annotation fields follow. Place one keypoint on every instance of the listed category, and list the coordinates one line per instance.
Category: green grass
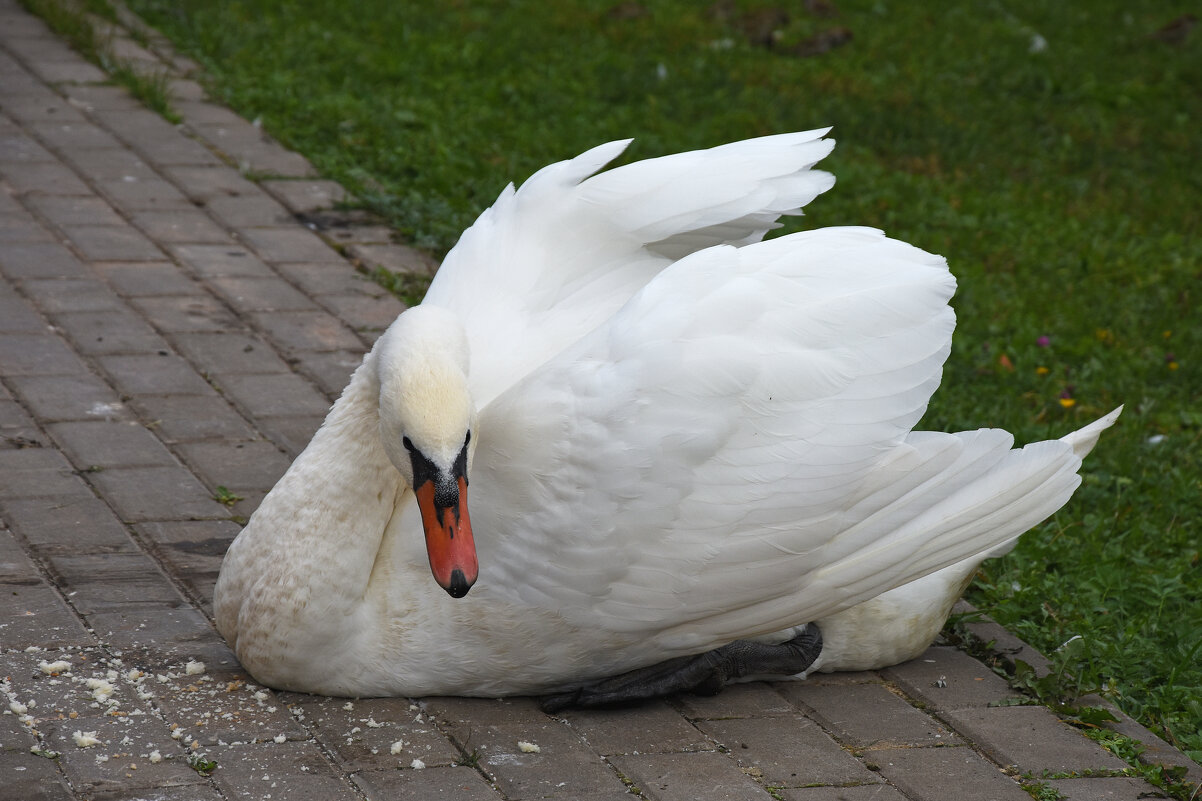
(1062, 184)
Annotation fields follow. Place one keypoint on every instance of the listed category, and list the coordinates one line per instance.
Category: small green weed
(1042, 792)
(201, 765)
(410, 288)
(225, 496)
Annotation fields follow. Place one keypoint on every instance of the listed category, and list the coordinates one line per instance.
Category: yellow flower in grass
(1041, 370)
(1067, 403)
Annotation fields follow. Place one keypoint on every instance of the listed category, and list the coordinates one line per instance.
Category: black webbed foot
(703, 674)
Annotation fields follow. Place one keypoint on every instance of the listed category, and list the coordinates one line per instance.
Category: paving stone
(21, 228)
(36, 615)
(47, 107)
(110, 332)
(1032, 738)
(866, 792)
(110, 444)
(327, 279)
(157, 140)
(18, 317)
(868, 715)
(147, 279)
(159, 374)
(252, 210)
(229, 352)
(156, 493)
(202, 184)
(274, 395)
(291, 433)
(701, 776)
(180, 226)
(1097, 788)
(23, 354)
(93, 98)
(71, 295)
(81, 396)
(63, 210)
(294, 771)
(787, 751)
(946, 678)
(563, 766)
(37, 473)
(301, 330)
(186, 313)
(49, 179)
(182, 418)
(395, 258)
(452, 784)
(74, 136)
(215, 261)
(652, 728)
(460, 714)
(240, 466)
(137, 193)
(70, 524)
(365, 312)
(15, 565)
(108, 582)
(291, 244)
(118, 164)
(32, 778)
(17, 429)
(362, 737)
(161, 634)
(40, 260)
(16, 147)
(754, 699)
(69, 71)
(112, 243)
(331, 370)
(262, 294)
(222, 708)
(946, 774)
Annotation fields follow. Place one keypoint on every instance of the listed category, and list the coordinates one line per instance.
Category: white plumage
(684, 436)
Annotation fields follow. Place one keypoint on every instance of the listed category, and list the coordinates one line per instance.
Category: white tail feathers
(1084, 439)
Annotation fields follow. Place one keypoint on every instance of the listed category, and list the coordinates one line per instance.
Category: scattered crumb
(261, 696)
(348, 706)
(53, 668)
(528, 748)
(194, 668)
(155, 757)
(371, 724)
(279, 738)
(397, 747)
(417, 764)
(86, 739)
(17, 707)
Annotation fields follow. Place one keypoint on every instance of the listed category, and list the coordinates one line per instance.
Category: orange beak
(449, 542)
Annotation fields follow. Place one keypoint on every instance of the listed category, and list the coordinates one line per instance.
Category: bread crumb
(528, 748)
(194, 668)
(155, 757)
(52, 668)
(86, 739)
(397, 747)
(417, 764)
(279, 738)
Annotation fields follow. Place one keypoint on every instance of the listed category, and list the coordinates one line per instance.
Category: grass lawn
(1049, 150)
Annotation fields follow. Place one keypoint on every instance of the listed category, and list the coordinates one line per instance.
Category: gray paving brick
(37, 616)
(179, 226)
(92, 98)
(182, 418)
(110, 332)
(220, 353)
(40, 107)
(40, 260)
(32, 778)
(252, 210)
(240, 466)
(865, 792)
(193, 546)
(220, 707)
(186, 313)
(1097, 788)
(75, 71)
(324, 279)
(37, 473)
(16, 148)
(147, 279)
(754, 699)
(946, 774)
(71, 295)
(275, 395)
(562, 766)
(702, 776)
(75, 210)
(262, 294)
(74, 136)
(110, 444)
(652, 728)
(295, 771)
(149, 193)
(156, 493)
(156, 635)
(15, 565)
(106, 582)
(787, 752)
(362, 737)
(1032, 738)
(214, 261)
(366, 313)
(330, 370)
(301, 330)
(21, 228)
(158, 374)
(289, 244)
(77, 523)
(946, 678)
(868, 715)
(50, 179)
(17, 429)
(156, 140)
(80, 396)
(393, 257)
(112, 243)
(202, 184)
(25, 354)
(18, 317)
(291, 432)
(453, 784)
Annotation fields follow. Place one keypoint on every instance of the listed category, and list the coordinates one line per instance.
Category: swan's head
(427, 426)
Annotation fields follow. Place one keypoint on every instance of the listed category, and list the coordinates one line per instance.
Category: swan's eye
(408, 443)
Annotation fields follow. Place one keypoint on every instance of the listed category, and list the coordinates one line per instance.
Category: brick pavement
(169, 328)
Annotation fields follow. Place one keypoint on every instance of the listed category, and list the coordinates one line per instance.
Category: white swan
(677, 436)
